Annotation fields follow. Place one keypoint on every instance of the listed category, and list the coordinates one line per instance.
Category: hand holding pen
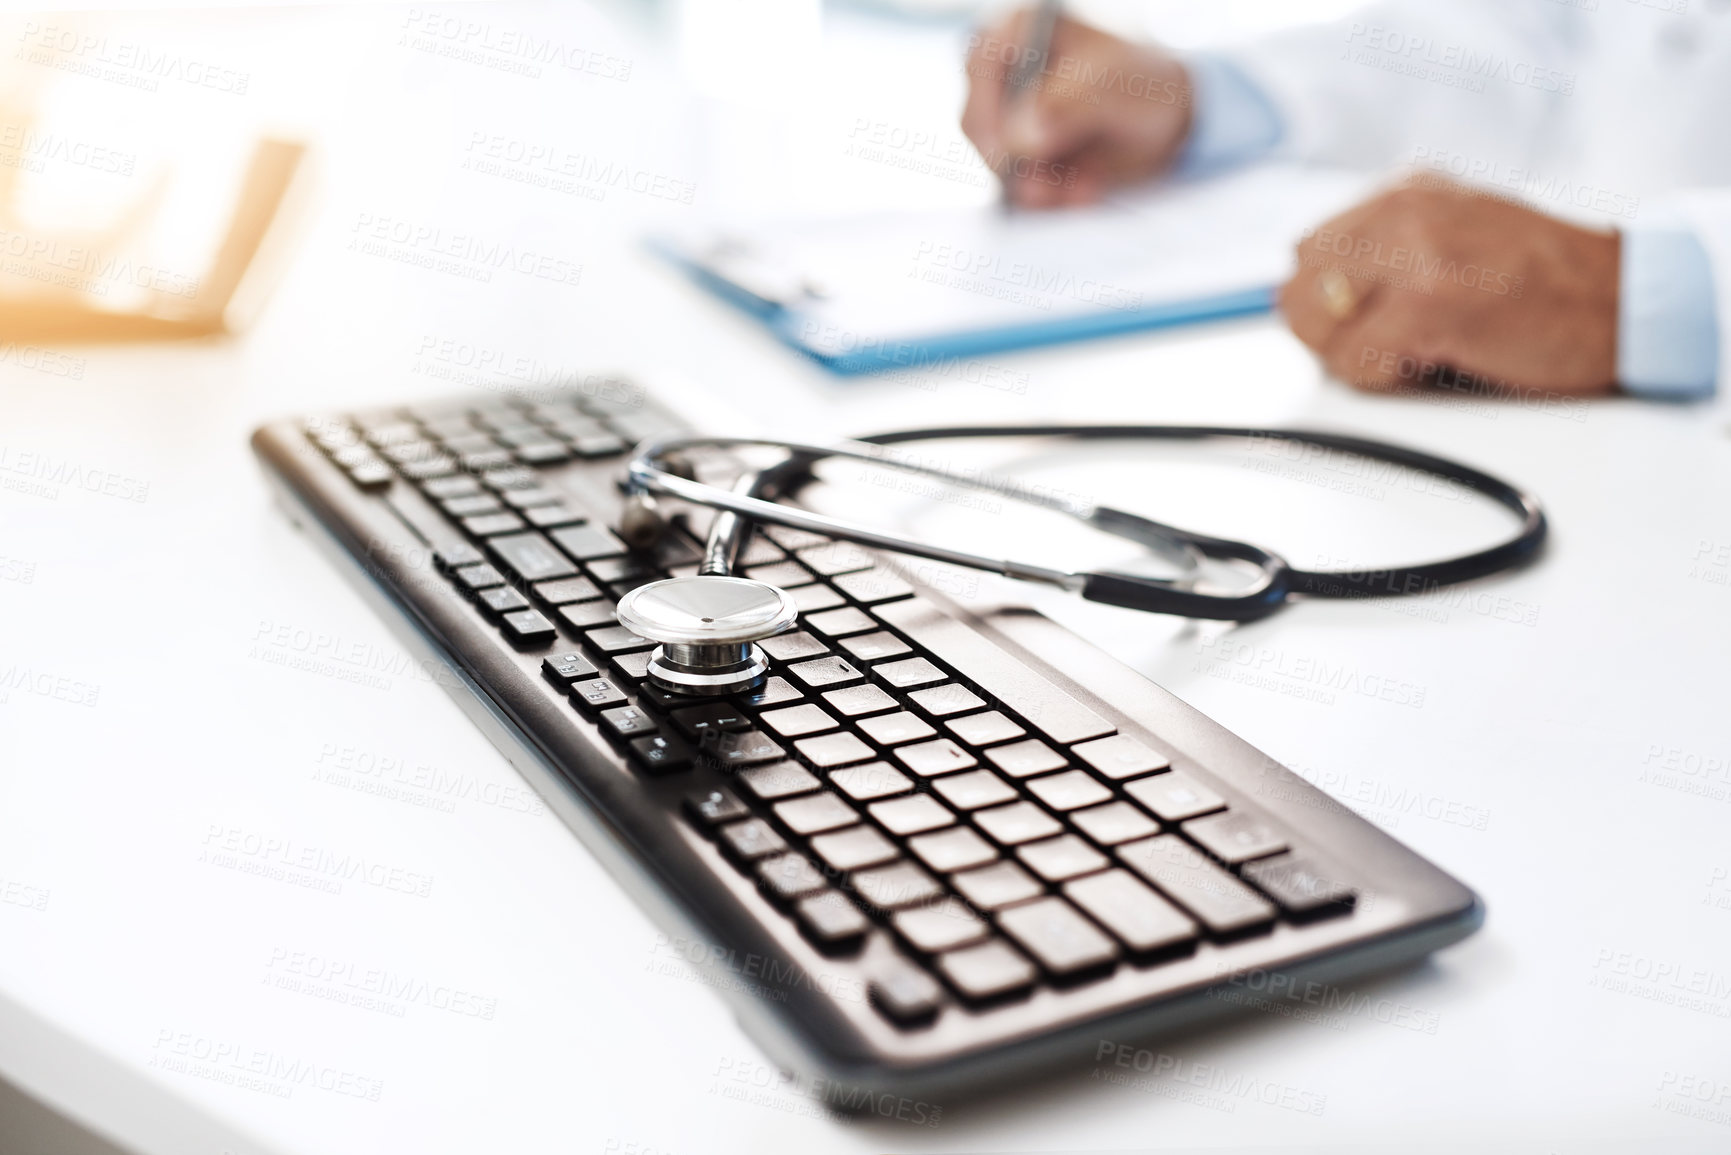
(1063, 112)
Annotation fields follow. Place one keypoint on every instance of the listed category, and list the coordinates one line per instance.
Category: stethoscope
(708, 625)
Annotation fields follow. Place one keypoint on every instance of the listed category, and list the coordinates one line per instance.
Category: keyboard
(944, 842)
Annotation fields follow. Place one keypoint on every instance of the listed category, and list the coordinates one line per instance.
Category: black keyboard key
(759, 550)
(1143, 921)
(531, 557)
(510, 477)
(710, 717)
(974, 790)
(782, 574)
(1113, 823)
(588, 615)
(412, 451)
(835, 557)
(665, 701)
(793, 647)
(821, 672)
(454, 554)
(871, 781)
(958, 848)
(992, 970)
(929, 759)
(529, 628)
(1304, 888)
(908, 673)
(525, 499)
(1120, 756)
(470, 506)
(832, 923)
(898, 885)
(440, 488)
(1071, 790)
(585, 542)
(741, 748)
(594, 694)
(854, 701)
(599, 445)
(551, 516)
(874, 647)
(1060, 939)
(542, 452)
(631, 571)
(773, 692)
(841, 623)
(789, 876)
(1236, 836)
(616, 640)
(566, 590)
(816, 813)
(1188, 877)
(906, 995)
(940, 927)
(429, 467)
(1017, 823)
(798, 721)
(752, 839)
(715, 806)
(1174, 796)
(469, 440)
(790, 538)
(873, 586)
(812, 598)
(373, 475)
(942, 701)
(491, 523)
(1061, 858)
(775, 780)
(502, 600)
(854, 848)
(914, 814)
(894, 729)
(1026, 758)
(986, 729)
(659, 753)
(633, 667)
(488, 461)
(563, 668)
(478, 577)
(833, 750)
(627, 722)
(996, 886)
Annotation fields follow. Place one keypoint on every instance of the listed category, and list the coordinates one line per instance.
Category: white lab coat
(1614, 111)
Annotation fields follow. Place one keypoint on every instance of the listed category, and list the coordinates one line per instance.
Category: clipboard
(900, 290)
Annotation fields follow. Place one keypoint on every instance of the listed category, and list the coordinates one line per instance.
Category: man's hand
(1431, 281)
(1102, 113)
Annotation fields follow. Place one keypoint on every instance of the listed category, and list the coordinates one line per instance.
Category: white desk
(184, 682)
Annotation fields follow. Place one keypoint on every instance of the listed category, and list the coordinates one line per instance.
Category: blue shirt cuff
(1667, 330)
(1232, 121)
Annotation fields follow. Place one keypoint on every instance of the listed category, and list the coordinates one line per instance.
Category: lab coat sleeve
(1394, 82)
(1667, 327)
(1708, 213)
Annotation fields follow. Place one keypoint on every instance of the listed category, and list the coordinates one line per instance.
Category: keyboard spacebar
(1015, 685)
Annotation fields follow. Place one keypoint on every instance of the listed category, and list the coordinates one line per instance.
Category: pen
(1030, 66)
(1032, 61)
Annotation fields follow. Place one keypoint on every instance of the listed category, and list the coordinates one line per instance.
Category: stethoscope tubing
(1280, 580)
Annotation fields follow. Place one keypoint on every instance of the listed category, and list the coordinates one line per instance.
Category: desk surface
(189, 693)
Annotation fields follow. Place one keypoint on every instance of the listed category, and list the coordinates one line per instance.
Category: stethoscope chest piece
(707, 627)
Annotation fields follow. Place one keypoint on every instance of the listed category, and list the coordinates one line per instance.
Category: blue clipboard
(892, 291)
(875, 354)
